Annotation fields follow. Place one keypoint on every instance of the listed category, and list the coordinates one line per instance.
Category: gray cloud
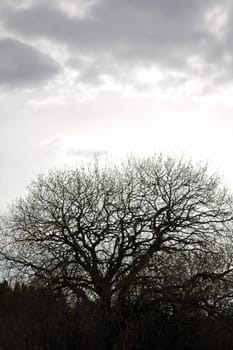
(117, 36)
(22, 65)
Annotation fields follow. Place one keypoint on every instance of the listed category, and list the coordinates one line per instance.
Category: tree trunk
(105, 332)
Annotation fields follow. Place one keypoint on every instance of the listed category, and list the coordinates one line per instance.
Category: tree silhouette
(106, 233)
(33, 317)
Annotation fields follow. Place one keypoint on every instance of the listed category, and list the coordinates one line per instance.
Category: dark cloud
(22, 65)
(120, 35)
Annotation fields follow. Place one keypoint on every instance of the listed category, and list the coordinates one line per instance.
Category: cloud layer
(22, 65)
(114, 38)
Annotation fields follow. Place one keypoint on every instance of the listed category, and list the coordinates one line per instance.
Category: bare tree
(96, 231)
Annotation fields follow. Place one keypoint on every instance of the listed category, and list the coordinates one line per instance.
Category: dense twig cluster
(152, 233)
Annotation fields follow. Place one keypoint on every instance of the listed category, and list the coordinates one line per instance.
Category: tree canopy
(147, 230)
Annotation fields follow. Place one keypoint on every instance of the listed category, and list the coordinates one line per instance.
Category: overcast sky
(113, 76)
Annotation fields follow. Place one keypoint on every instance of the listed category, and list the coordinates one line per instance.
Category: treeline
(37, 318)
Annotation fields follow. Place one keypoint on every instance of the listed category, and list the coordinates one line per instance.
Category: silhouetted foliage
(33, 317)
(142, 253)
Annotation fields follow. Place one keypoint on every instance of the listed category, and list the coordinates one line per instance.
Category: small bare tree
(97, 231)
